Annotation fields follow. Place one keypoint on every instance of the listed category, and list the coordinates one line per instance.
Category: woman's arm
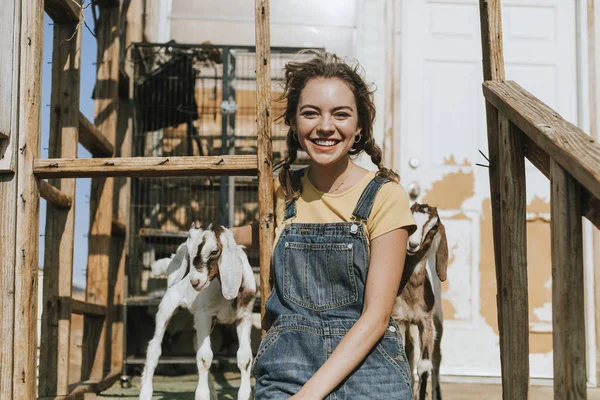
(385, 271)
(246, 235)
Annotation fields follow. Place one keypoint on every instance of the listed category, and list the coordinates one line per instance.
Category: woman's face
(326, 120)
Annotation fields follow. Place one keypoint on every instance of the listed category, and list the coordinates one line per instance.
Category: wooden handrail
(63, 11)
(145, 166)
(569, 146)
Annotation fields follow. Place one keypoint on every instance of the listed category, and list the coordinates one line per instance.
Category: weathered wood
(85, 308)
(145, 166)
(514, 321)
(568, 308)
(27, 222)
(7, 30)
(9, 48)
(63, 11)
(9, 79)
(60, 222)
(575, 151)
(91, 138)
(118, 228)
(265, 163)
(54, 196)
(82, 390)
(493, 70)
(97, 350)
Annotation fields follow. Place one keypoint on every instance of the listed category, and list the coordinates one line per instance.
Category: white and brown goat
(208, 253)
(419, 299)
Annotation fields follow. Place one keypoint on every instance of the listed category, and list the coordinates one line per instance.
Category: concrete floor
(225, 385)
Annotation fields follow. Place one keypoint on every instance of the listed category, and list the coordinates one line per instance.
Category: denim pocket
(390, 347)
(319, 276)
(267, 341)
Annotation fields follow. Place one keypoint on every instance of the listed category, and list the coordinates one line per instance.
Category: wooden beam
(63, 11)
(565, 143)
(493, 70)
(60, 218)
(118, 228)
(568, 308)
(145, 166)
(27, 223)
(96, 358)
(85, 308)
(265, 163)
(9, 78)
(54, 196)
(513, 309)
(91, 138)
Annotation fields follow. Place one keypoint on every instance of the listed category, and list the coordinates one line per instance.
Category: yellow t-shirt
(390, 210)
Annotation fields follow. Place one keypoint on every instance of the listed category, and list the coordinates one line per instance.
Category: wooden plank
(97, 333)
(575, 151)
(265, 163)
(9, 80)
(145, 166)
(27, 223)
(493, 70)
(7, 30)
(60, 222)
(63, 11)
(8, 199)
(91, 138)
(118, 228)
(568, 308)
(514, 321)
(54, 196)
(85, 308)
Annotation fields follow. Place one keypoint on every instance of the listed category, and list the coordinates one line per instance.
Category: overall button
(392, 329)
(354, 229)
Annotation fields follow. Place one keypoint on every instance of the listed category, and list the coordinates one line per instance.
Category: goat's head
(429, 235)
(213, 253)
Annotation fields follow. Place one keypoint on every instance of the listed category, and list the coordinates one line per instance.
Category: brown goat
(416, 301)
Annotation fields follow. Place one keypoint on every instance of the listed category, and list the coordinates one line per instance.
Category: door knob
(414, 190)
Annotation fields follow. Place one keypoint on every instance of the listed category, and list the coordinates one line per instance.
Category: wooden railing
(521, 126)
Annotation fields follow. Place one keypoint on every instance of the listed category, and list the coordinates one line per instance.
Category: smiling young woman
(335, 279)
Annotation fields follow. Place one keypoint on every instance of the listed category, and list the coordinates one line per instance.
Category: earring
(358, 138)
(295, 136)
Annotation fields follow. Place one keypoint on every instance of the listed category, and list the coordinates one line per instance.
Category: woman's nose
(326, 124)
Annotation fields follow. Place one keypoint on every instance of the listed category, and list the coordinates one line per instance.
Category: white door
(442, 127)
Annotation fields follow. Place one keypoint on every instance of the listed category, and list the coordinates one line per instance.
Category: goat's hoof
(125, 382)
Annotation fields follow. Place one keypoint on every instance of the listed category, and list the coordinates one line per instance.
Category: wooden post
(265, 162)
(60, 222)
(514, 383)
(513, 302)
(27, 202)
(9, 48)
(568, 311)
(96, 351)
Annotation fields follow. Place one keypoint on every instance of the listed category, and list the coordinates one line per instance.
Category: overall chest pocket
(319, 276)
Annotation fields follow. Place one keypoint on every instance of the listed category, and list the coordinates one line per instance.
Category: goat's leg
(409, 348)
(436, 391)
(424, 365)
(204, 356)
(167, 306)
(244, 355)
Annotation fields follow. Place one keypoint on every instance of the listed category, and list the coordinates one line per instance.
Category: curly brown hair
(327, 65)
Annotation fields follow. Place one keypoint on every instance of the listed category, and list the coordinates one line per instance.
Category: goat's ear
(178, 265)
(441, 252)
(230, 266)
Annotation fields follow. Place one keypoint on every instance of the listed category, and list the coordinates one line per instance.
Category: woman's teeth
(326, 142)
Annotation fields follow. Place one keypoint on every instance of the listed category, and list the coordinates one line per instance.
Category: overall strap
(290, 209)
(367, 198)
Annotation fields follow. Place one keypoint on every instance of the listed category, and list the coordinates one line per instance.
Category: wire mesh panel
(190, 101)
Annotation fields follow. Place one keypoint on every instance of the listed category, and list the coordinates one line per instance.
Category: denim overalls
(319, 273)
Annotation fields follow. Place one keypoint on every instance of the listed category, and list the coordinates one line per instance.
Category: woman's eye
(309, 114)
(342, 115)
